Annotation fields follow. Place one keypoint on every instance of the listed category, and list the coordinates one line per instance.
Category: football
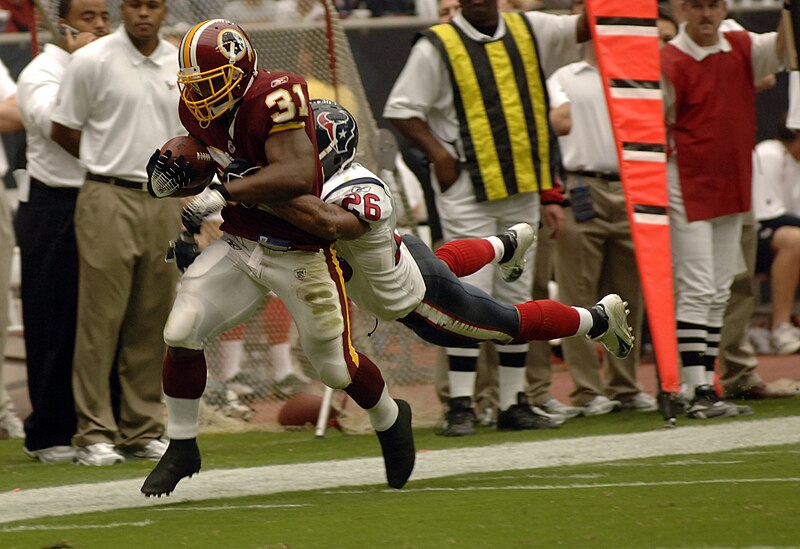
(196, 154)
(302, 410)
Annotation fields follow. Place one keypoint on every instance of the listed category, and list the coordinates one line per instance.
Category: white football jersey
(386, 280)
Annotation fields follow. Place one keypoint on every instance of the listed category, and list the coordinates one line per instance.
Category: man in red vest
(709, 100)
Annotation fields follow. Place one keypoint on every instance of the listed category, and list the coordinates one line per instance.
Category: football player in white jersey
(400, 278)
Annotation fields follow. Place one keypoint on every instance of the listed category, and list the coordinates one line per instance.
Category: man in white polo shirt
(117, 102)
(46, 236)
(594, 253)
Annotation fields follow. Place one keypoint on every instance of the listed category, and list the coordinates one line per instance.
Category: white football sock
(384, 413)
(462, 383)
(183, 417)
(693, 376)
(586, 321)
(510, 381)
(499, 248)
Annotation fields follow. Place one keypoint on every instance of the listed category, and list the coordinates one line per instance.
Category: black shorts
(765, 233)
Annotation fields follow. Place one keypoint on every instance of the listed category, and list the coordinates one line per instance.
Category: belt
(275, 244)
(36, 184)
(283, 245)
(117, 181)
(605, 176)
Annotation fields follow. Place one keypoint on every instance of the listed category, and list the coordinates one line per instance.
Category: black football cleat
(182, 459)
(460, 418)
(522, 416)
(397, 445)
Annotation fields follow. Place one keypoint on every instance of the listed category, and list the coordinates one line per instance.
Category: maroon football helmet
(217, 62)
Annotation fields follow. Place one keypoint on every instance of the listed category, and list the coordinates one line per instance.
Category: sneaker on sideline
(522, 236)
(618, 338)
(600, 405)
(741, 409)
(706, 404)
(555, 406)
(460, 418)
(785, 339)
(52, 454)
(522, 415)
(289, 386)
(640, 402)
(486, 418)
(98, 454)
(12, 425)
(760, 339)
(243, 391)
(153, 450)
(232, 406)
(556, 418)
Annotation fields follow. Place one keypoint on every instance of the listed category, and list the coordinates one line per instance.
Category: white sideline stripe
(230, 507)
(273, 479)
(726, 481)
(639, 484)
(43, 527)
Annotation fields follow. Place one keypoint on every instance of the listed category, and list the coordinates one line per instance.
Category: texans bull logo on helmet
(339, 135)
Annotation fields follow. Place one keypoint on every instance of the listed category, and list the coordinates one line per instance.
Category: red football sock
(545, 319)
(466, 256)
(184, 374)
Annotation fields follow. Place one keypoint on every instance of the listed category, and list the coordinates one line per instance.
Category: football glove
(182, 251)
(163, 179)
(211, 200)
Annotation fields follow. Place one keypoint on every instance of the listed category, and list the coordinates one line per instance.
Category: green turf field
(745, 497)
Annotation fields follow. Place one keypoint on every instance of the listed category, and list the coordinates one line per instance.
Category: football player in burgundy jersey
(242, 112)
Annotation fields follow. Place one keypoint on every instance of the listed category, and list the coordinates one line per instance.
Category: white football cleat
(618, 338)
(523, 236)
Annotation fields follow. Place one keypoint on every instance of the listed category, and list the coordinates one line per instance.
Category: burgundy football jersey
(274, 102)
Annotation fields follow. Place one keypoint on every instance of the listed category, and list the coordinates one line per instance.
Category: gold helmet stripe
(189, 46)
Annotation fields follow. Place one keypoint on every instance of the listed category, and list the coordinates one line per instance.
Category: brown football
(196, 154)
(302, 409)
